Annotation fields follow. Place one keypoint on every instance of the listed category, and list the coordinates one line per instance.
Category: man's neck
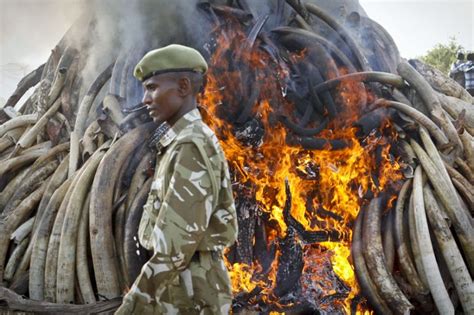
(186, 108)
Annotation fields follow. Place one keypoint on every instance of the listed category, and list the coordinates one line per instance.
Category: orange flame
(343, 176)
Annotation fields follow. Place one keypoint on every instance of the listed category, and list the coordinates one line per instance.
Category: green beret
(172, 58)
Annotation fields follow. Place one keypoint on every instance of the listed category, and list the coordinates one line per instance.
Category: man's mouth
(151, 110)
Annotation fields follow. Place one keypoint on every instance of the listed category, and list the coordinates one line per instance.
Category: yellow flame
(344, 176)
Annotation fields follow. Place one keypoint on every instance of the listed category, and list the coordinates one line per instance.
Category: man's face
(162, 98)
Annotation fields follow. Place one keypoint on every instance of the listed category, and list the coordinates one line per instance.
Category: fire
(327, 186)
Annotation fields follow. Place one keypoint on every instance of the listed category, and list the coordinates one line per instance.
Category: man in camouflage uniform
(189, 217)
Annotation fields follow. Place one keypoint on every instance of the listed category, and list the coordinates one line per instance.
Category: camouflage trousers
(203, 288)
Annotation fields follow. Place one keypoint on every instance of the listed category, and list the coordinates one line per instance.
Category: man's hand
(133, 305)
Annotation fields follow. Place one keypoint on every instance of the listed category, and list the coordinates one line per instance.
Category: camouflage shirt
(190, 206)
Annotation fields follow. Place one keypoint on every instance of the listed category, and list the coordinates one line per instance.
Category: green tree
(441, 56)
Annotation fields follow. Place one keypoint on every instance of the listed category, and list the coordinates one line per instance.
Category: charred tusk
(421, 118)
(368, 76)
(312, 8)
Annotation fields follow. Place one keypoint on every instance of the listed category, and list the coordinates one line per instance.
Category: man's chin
(156, 120)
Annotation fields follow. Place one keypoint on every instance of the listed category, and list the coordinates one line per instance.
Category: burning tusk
(56, 87)
(303, 131)
(311, 37)
(317, 143)
(139, 177)
(368, 76)
(434, 154)
(364, 64)
(417, 116)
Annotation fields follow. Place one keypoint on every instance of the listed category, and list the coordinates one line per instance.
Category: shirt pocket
(147, 222)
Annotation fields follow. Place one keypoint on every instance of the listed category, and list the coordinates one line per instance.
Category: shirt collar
(182, 123)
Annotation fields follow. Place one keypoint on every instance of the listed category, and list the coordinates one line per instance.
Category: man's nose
(146, 99)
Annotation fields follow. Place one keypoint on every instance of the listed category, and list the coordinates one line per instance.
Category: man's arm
(183, 218)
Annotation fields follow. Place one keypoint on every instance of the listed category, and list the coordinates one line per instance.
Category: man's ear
(184, 86)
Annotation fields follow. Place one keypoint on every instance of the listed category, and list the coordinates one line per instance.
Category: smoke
(122, 29)
(105, 29)
(31, 29)
(28, 32)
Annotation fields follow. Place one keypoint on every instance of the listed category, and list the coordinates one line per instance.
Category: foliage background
(442, 56)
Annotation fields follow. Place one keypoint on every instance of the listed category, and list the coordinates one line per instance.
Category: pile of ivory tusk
(67, 171)
(423, 250)
(75, 172)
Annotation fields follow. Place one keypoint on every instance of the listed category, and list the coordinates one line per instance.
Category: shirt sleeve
(182, 220)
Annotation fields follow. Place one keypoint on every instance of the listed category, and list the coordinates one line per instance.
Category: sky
(29, 29)
(418, 25)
